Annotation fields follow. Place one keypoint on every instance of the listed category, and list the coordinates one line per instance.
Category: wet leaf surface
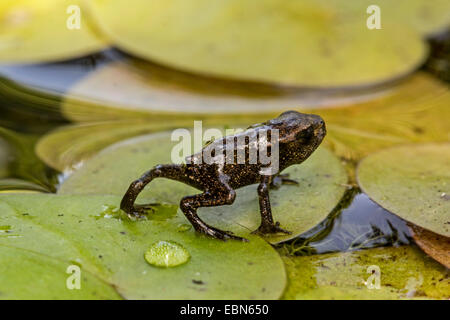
(72, 230)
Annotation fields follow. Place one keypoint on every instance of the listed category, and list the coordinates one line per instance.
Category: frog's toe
(223, 235)
(270, 229)
(140, 211)
(144, 208)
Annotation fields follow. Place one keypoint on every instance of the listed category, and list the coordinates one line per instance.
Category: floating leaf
(412, 182)
(71, 229)
(297, 43)
(297, 208)
(19, 185)
(416, 110)
(5, 155)
(405, 272)
(148, 90)
(438, 247)
(37, 31)
(31, 275)
(67, 147)
(23, 168)
(422, 15)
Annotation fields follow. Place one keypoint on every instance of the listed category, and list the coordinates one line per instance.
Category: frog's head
(295, 126)
(299, 133)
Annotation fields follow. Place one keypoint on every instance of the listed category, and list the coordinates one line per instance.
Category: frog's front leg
(170, 171)
(267, 223)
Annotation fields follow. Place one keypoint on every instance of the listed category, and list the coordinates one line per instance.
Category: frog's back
(240, 148)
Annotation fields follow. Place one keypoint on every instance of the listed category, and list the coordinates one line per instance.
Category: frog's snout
(320, 130)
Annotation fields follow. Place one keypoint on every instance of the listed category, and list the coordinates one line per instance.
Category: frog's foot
(140, 211)
(219, 234)
(270, 229)
(281, 179)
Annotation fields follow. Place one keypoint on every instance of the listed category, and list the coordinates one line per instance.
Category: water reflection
(358, 223)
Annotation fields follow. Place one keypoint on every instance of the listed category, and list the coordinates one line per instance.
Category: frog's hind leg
(170, 171)
(190, 204)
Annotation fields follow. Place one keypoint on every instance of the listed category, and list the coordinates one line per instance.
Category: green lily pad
(415, 110)
(297, 208)
(298, 43)
(149, 91)
(36, 31)
(67, 147)
(75, 230)
(30, 275)
(411, 181)
(405, 273)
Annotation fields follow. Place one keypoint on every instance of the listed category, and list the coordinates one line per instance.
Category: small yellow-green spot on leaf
(110, 211)
(184, 227)
(5, 229)
(167, 254)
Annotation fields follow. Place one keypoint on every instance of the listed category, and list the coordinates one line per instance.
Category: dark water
(30, 97)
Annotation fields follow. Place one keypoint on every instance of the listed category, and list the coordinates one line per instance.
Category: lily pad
(411, 181)
(30, 275)
(23, 166)
(405, 273)
(8, 185)
(67, 147)
(438, 247)
(415, 110)
(72, 229)
(36, 31)
(5, 154)
(298, 43)
(148, 91)
(427, 17)
(322, 181)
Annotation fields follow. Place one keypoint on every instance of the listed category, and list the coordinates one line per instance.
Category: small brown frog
(289, 139)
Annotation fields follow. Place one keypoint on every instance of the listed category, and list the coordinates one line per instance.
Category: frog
(293, 135)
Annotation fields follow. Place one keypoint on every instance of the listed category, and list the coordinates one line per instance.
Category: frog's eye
(306, 133)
